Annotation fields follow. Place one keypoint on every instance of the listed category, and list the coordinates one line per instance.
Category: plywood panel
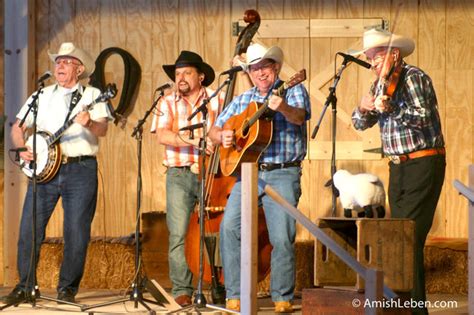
(43, 62)
(432, 59)
(404, 21)
(432, 34)
(191, 25)
(460, 39)
(155, 32)
(459, 127)
(111, 215)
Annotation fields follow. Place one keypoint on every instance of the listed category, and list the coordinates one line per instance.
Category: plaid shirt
(289, 141)
(173, 112)
(413, 123)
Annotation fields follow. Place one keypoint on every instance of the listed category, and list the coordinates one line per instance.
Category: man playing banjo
(75, 181)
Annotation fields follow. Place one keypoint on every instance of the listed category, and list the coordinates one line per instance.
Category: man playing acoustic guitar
(75, 181)
(279, 166)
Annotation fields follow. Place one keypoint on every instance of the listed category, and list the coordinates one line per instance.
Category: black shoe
(66, 296)
(15, 297)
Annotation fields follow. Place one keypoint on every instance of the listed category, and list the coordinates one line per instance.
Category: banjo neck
(110, 92)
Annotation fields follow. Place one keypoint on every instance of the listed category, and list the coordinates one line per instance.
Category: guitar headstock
(110, 92)
(297, 78)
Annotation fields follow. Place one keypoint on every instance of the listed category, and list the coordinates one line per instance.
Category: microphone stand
(140, 281)
(33, 295)
(199, 298)
(332, 100)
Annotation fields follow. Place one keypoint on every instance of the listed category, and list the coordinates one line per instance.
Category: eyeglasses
(263, 67)
(66, 62)
(376, 59)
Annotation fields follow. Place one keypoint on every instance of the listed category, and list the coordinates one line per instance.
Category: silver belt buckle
(262, 166)
(395, 159)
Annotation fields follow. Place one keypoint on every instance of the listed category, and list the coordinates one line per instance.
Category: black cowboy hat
(189, 58)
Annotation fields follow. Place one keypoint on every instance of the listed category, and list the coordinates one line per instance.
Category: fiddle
(386, 85)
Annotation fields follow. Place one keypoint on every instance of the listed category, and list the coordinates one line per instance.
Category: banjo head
(48, 158)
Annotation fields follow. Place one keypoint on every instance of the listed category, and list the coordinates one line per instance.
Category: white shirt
(52, 111)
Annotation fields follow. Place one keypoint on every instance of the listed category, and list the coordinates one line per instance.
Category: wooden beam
(342, 27)
(19, 73)
(249, 240)
(304, 28)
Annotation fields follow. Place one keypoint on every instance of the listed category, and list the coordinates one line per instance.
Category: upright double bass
(218, 189)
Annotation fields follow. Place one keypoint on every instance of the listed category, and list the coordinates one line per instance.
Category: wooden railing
(468, 192)
(373, 278)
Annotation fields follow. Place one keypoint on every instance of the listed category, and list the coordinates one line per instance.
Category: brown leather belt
(397, 159)
(75, 159)
(274, 166)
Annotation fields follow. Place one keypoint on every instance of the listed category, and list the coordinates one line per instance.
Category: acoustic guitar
(253, 130)
(48, 151)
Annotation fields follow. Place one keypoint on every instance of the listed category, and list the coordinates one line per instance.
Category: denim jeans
(182, 191)
(76, 184)
(281, 229)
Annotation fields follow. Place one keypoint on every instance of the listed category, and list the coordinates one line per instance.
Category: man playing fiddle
(191, 76)
(279, 166)
(411, 137)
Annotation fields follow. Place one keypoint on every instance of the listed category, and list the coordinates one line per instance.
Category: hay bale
(304, 252)
(446, 266)
(110, 263)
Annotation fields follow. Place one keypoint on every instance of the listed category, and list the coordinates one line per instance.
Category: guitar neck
(258, 114)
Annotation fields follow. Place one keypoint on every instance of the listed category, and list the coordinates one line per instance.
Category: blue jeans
(281, 229)
(182, 192)
(76, 184)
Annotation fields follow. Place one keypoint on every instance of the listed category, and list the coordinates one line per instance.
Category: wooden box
(383, 244)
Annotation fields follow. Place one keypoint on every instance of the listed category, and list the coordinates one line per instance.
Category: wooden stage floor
(93, 297)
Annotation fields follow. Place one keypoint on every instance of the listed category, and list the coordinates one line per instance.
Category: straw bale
(446, 269)
(304, 252)
(110, 263)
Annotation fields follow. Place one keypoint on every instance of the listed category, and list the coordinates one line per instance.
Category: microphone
(354, 59)
(192, 127)
(242, 67)
(167, 85)
(45, 76)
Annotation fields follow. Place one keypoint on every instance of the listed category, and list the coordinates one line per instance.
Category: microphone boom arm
(203, 106)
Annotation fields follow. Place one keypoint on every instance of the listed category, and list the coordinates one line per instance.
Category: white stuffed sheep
(363, 190)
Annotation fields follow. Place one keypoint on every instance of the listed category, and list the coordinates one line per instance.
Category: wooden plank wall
(156, 31)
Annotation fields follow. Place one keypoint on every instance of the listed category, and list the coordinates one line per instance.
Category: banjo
(48, 150)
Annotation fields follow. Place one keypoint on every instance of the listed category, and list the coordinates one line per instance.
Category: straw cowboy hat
(256, 53)
(380, 38)
(69, 50)
(189, 58)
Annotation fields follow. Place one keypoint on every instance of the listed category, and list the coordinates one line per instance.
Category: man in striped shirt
(410, 128)
(279, 166)
(191, 76)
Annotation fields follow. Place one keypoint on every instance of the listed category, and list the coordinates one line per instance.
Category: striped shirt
(413, 123)
(289, 141)
(172, 114)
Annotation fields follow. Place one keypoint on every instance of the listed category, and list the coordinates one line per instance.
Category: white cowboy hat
(69, 50)
(380, 38)
(256, 53)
